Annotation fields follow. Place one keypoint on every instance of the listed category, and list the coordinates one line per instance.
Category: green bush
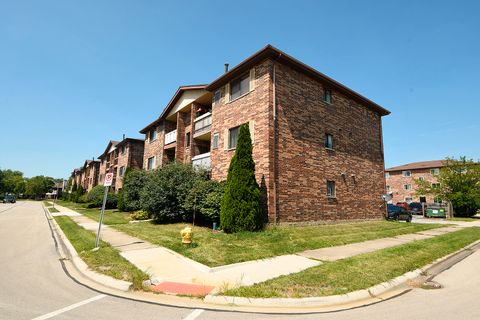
(95, 197)
(165, 191)
(240, 208)
(133, 183)
(139, 215)
(207, 196)
(121, 201)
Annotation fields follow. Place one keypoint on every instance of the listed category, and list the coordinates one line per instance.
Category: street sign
(108, 180)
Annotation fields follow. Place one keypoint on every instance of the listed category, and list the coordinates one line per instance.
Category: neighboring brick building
(317, 144)
(91, 170)
(117, 157)
(400, 180)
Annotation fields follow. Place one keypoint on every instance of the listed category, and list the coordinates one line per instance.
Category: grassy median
(106, 260)
(362, 271)
(216, 249)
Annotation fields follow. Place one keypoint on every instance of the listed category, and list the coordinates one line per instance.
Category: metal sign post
(107, 183)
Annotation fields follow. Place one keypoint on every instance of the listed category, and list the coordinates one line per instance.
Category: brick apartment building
(317, 144)
(91, 170)
(117, 157)
(400, 180)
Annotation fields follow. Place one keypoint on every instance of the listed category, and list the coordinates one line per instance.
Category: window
(435, 171)
(327, 96)
(121, 171)
(331, 189)
(388, 188)
(328, 141)
(187, 137)
(408, 199)
(407, 186)
(151, 163)
(421, 178)
(239, 86)
(232, 138)
(407, 173)
(217, 95)
(152, 135)
(435, 185)
(437, 200)
(216, 137)
(123, 150)
(387, 175)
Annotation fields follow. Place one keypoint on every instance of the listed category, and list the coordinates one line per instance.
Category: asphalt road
(33, 285)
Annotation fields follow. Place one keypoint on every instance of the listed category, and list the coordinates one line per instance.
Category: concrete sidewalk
(174, 273)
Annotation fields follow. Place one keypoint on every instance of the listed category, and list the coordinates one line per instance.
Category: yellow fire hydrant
(187, 235)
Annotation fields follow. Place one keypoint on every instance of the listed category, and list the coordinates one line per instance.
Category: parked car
(404, 205)
(398, 213)
(416, 208)
(9, 198)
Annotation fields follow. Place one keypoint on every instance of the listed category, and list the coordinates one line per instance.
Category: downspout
(275, 141)
(383, 164)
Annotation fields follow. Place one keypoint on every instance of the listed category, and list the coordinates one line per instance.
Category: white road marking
(194, 314)
(70, 307)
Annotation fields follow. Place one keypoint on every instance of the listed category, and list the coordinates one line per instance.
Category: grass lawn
(106, 260)
(362, 271)
(466, 219)
(216, 249)
(111, 217)
(52, 209)
(47, 203)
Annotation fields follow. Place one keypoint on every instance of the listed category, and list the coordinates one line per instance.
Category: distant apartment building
(317, 144)
(117, 157)
(400, 180)
(91, 169)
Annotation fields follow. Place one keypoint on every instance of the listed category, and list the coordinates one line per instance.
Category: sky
(76, 74)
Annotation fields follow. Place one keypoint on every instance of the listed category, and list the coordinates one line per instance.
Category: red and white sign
(108, 180)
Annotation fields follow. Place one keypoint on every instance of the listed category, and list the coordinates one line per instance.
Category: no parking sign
(108, 180)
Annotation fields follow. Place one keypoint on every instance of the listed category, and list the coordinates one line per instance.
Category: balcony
(203, 123)
(202, 161)
(171, 137)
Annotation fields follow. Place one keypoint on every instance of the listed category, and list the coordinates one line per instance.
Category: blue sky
(75, 74)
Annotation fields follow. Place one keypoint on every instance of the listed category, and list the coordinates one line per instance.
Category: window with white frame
(331, 189)
(435, 171)
(150, 163)
(387, 175)
(407, 173)
(435, 185)
(216, 138)
(240, 86)
(152, 135)
(388, 188)
(421, 178)
(121, 171)
(328, 141)
(233, 137)
(216, 96)
(407, 186)
(408, 199)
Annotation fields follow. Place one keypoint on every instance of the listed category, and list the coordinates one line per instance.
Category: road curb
(379, 292)
(67, 251)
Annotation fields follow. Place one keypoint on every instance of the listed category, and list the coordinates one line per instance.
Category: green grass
(361, 271)
(111, 217)
(47, 203)
(466, 219)
(52, 209)
(106, 260)
(216, 249)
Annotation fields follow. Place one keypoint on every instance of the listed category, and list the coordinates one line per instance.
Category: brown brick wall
(253, 106)
(396, 181)
(305, 165)
(154, 148)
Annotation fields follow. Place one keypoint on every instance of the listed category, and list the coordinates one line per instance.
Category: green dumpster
(435, 212)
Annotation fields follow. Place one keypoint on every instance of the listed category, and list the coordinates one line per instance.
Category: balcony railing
(203, 122)
(171, 137)
(202, 161)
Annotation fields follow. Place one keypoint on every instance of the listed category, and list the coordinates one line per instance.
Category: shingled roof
(419, 165)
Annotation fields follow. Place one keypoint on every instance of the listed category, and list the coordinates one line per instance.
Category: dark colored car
(404, 205)
(9, 198)
(416, 208)
(398, 213)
